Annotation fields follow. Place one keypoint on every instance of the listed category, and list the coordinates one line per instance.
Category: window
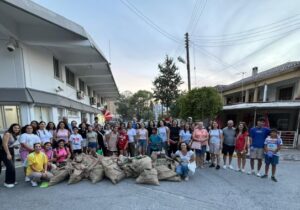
(70, 77)
(42, 113)
(8, 116)
(60, 113)
(285, 93)
(89, 91)
(72, 113)
(81, 86)
(56, 68)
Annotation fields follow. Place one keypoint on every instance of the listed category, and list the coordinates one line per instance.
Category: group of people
(44, 147)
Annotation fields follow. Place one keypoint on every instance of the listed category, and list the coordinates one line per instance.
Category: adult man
(37, 166)
(258, 135)
(228, 143)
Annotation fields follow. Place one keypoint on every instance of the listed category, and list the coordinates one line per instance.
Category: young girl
(92, 139)
(43, 133)
(272, 146)
(241, 143)
(62, 153)
(123, 140)
(83, 131)
(50, 155)
(76, 141)
(142, 134)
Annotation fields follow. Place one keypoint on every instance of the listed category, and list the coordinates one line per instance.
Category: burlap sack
(58, 176)
(76, 176)
(174, 179)
(140, 163)
(164, 172)
(148, 176)
(96, 174)
(112, 170)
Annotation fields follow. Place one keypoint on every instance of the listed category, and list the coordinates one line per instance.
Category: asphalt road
(207, 189)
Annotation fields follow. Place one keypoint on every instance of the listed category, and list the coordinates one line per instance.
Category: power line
(194, 14)
(198, 18)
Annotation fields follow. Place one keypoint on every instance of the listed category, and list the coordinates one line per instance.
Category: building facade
(50, 67)
(273, 94)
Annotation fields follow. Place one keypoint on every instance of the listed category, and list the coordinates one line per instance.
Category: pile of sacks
(144, 169)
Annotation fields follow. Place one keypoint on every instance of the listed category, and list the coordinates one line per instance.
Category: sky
(227, 37)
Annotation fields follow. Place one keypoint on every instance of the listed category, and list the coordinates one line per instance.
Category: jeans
(10, 173)
(182, 169)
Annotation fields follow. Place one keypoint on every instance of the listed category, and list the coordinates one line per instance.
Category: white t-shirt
(131, 134)
(185, 158)
(76, 140)
(162, 132)
(142, 134)
(29, 139)
(44, 135)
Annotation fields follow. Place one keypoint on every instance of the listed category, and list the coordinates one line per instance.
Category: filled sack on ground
(96, 174)
(58, 176)
(164, 172)
(140, 163)
(112, 170)
(148, 176)
(76, 176)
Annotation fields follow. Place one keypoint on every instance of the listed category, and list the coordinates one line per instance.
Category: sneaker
(231, 167)
(212, 165)
(8, 185)
(238, 170)
(224, 166)
(34, 184)
(251, 172)
(274, 179)
(243, 171)
(264, 176)
(258, 174)
(27, 179)
(186, 178)
(217, 167)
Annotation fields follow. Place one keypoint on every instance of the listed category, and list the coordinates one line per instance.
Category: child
(50, 155)
(123, 142)
(155, 141)
(272, 146)
(76, 141)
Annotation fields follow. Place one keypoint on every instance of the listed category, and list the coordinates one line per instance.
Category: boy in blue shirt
(272, 146)
(155, 141)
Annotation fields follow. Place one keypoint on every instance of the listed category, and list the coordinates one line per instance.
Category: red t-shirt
(241, 141)
(123, 139)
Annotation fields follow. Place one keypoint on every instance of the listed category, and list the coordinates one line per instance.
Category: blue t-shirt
(155, 142)
(258, 136)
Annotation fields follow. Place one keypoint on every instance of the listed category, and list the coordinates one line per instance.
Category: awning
(288, 104)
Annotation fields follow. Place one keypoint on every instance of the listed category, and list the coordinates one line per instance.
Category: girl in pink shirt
(62, 153)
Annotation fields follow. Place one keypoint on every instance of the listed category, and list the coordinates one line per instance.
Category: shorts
(142, 144)
(92, 145)
(256, 153)
(274, 160)
(214, 148)
(200, 152)
(228, 149)
(239, 154)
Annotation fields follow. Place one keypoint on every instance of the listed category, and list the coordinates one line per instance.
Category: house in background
(49, 67)
(273, 94)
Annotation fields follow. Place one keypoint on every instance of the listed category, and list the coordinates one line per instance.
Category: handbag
(195, 144)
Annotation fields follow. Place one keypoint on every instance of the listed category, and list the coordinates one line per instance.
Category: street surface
(207, 189)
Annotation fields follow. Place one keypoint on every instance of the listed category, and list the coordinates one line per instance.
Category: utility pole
(188, 60)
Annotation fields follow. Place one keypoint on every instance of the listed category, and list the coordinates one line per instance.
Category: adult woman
(143, 139)
(83, 131)
(51, 128)
(73, 125)
(62, 132)
(35, 126)
(163, 132)
(215, 144)
(200, 140)
(101, 138)
(43, 133)
(50, 155)
(185, 134)
(174, 137)
(150, 127)
(7, 154)
(123, 140)
(62, 153)
(131, 132)
(112, 141)
(186, 156)
(241, 143)
(92, 139)
(27, 140)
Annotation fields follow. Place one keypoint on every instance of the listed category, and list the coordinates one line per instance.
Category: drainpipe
(265, 93)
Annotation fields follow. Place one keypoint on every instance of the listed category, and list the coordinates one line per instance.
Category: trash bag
(192, 168)
(58, 176)
(164, 172)
(76, 176)
(112, 170)
(96, 174)
(148, 176)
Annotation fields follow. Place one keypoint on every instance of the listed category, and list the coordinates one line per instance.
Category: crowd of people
(45, 146)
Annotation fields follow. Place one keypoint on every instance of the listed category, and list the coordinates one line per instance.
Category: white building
(49, 67)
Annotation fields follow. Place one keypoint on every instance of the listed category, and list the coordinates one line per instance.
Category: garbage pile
(144, 169)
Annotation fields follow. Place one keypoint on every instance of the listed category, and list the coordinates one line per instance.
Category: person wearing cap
(37, 166)
(258, 135)
(272, 146)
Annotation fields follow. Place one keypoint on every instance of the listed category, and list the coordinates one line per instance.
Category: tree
(166, 85)
(200, 103)
(123, 106)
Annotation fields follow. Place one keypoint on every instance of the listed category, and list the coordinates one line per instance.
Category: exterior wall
(11, 68)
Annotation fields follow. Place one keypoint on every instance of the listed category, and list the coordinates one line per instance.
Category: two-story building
(273, 94)
(49, 67)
